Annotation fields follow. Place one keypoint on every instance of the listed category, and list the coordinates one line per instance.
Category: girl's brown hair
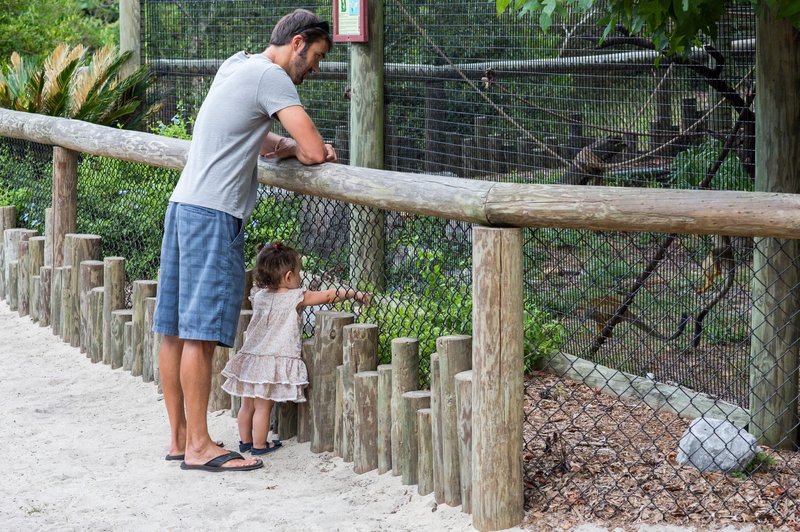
(272, 263)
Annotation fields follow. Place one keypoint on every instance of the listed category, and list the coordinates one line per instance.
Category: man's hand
(330, 154)
(284, 148)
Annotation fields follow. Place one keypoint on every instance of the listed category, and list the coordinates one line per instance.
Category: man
(202, 259)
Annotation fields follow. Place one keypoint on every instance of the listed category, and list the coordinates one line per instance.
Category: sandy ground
(84, 449)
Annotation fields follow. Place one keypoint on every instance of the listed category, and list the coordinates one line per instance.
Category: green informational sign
(350, 21)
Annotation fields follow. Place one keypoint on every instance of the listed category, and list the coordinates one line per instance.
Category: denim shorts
(201, 280)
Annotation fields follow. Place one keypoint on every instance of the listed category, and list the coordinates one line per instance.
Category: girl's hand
(365, 298)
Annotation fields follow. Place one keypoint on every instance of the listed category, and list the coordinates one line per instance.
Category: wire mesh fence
(627, 335)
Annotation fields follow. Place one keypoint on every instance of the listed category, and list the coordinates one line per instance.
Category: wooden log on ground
(245, 315)
(147, 340)
(33, 264)
(66, 290)
(218, 399)
(155, 349)
(81, 248)
(304, 412)
(359, 353)
(56, 298)
(338, 414)
(463, 382)
(497, 357)
(23, 279)
(327, 355)
(46, 286)
(455, 356)
(425, 452)
(127, 344)
(118, 320)
(405, 377)
(94, 329)
(365, 421)
(12, 284)
(384, 418)
(678, 400)
(91, 277)
(436, 429)
(142, 289)
(409, 454)
(8, 220)
(11, 239)
(36, 292)
(114, 298)
(287, 420)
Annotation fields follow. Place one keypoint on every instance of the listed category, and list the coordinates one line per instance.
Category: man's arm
(306, 143)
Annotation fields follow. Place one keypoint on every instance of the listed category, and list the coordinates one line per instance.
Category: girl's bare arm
(312, 298)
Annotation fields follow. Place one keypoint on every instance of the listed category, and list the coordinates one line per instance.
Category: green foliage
(761, 461)
(34, 27)
(74, 84)
(671, 25)
(691, 165)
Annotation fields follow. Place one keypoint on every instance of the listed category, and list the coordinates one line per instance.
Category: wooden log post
(56, 298)
(409, 454)
(218, 399)
(405, 377)
(11, 240)
(327, 355)
(360, 353)
(65, 329)
(23, 279)
(65, 202)
(384, 418)
(118, 320)
(305, 424)
(425, 451)
(155, 349)
(497, 356)
(114, 298)
(245, 315)
(91, 277)
(8, 220)
(48, 236)
(147, 340)
(81, 248)
(130, 34)
(455, 356)
(34, 264)
(463, 382)
(775, 317)
(142, 289)
(127, 344)
(367, 110)
(338, 414)
(12, 284)
(365, 421)
(94, 329)
(248, 284)
(436, 429)
(46, 283)
(287, 420)
(36, 292)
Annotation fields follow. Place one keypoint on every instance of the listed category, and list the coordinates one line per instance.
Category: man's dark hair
(304, 23)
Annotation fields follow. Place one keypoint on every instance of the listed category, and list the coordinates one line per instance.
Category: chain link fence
(627, 335)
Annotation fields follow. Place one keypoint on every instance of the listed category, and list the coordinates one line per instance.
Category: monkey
(602, 309)
(719, 260)
(591, 162)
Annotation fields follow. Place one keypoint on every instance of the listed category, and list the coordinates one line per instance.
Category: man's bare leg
(169, 364)
(195, 375)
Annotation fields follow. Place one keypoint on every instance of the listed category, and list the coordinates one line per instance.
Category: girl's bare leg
(245, 420)
(263, 409)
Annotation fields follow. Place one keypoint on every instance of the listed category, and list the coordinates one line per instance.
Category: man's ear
(297, 42)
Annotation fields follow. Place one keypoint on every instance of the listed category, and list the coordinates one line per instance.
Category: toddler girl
(268, 367)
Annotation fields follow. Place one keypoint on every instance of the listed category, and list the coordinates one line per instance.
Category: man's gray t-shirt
(236, 115)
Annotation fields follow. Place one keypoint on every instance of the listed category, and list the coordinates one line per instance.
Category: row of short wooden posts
(376, 417)
(84, 300)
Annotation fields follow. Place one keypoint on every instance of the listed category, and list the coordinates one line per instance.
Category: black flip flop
(177, 457)
(215, 465)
